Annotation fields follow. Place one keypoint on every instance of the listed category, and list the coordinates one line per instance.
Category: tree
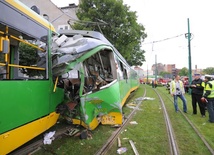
(183, 72)
(209, 70)
(28, 56)
(165, 74)
(117, 23)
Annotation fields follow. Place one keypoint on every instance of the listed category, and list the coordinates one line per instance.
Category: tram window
(31, 57)
(122, 68)
(26, 58)
(2, 68)
(99, 70)
(125, 76)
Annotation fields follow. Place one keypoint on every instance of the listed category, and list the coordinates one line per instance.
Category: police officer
(197, 92)
(177, 90)
(208, 97)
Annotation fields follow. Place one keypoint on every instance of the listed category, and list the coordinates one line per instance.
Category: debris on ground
(125, 138)
(116, 126)
(132, 106)
(72, 132)
(121, 150)
(148, 98)
(133, 122)
(123, 131)
(118, 142)
(48, 137)
(85, 134)
(133, 147)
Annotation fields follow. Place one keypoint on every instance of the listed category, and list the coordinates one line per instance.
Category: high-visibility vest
(203, 84)
(173, 87)
(207, 87)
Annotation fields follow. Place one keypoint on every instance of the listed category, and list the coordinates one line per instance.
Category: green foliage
(183, 72)
(28, 57)
(117, 23)
(209, 70)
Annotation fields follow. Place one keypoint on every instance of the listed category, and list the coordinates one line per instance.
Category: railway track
(104, 149)
(35, 145)
(171, 137)
(189, 122)
(173, 144)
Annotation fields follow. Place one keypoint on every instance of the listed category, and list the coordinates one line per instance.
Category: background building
(170, 67)
(57, 16)
(160, 68)
(139, 71)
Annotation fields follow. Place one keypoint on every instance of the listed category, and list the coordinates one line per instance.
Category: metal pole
(155, 67)
(189, 48)
(147, 78)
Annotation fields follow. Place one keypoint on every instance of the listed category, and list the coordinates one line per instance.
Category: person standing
(186, 86)
(197, 92)
(208, 97)
(177, 90)
(153, 84)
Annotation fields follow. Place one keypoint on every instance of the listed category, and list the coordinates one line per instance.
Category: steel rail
(172, 141)
(35, 145)
(195, 129)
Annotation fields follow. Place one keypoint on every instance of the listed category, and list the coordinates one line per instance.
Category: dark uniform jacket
(198, 90)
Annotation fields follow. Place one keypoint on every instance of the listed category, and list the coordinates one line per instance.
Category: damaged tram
(96, 78)
(78, 74)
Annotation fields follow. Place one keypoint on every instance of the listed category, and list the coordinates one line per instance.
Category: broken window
(71, 83)
(100, 70)
(123, 69)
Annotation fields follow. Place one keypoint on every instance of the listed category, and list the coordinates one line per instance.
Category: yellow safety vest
(203, 84)
(207, 87)
(173, 87)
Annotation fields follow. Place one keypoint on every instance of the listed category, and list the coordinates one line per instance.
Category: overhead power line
(157, 41)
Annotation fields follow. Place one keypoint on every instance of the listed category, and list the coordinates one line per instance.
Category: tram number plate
(107, 119)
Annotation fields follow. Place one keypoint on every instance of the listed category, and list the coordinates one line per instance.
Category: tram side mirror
(4, 45)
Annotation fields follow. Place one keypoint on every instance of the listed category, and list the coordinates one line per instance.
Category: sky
(165, 23)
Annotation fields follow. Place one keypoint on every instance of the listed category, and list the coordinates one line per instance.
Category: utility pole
(189, 48)
(147, 80)
(155, 67)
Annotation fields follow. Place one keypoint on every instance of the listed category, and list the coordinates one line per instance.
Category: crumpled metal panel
(71, 49)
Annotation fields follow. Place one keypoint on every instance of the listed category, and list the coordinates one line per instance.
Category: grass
(149, 135)
(188, 141)
(74, 145)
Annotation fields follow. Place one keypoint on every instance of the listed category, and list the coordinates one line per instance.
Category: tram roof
(19, 17)
(92, 34)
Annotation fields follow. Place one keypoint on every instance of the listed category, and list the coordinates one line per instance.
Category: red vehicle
(186, 84)
(163, 81)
